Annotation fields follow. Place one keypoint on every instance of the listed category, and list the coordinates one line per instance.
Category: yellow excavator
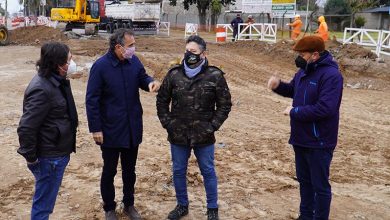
(4, 37)
(77, 14)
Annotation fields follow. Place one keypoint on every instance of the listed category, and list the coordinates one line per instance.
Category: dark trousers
(235, 33)
(312, 168)
(128, 162)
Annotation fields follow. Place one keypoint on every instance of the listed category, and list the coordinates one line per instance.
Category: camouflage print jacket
(193, 109)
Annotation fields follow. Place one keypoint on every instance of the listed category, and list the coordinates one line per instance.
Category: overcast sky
(13, 5)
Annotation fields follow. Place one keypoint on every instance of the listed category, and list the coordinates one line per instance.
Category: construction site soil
(254, 162)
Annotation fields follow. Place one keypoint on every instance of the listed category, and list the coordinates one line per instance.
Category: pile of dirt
(88, 47)
(353, 59)
(351, 51)
(280, 49)
(35, 35)
(283, 49)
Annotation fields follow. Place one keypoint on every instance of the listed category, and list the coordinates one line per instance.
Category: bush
(360, 21)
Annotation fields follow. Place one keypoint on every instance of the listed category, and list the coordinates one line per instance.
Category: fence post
(379, 46)
(345, 35)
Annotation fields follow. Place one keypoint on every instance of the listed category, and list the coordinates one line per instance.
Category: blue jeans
(48, 173)
(205, 158)
(312, 168)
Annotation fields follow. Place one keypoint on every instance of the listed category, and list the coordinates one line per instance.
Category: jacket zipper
(316, 134)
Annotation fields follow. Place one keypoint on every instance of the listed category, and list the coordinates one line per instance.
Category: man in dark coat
(114, 114)
(47, 128)
(316, 90)
(235, 23)
(192, 104)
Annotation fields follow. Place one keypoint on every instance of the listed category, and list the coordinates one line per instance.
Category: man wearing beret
(316, 90)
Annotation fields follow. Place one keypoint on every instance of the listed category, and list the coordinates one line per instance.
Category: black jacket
(192, 109)
(45, 128)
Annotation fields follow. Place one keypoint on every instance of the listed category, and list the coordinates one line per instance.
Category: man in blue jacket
(316, 90)
(114, 114)
(235, 23)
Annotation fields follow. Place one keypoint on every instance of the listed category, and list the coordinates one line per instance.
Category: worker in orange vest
(296, 25)
(322, 29)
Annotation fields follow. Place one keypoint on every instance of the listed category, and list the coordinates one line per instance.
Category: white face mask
(72, 68)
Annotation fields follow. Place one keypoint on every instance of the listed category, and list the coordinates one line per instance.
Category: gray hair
(119, 37)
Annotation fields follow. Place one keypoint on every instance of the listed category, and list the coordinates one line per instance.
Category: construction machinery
(77, 14)
(140, 15)
(4, 36)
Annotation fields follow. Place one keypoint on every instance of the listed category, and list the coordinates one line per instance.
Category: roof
(378, 10)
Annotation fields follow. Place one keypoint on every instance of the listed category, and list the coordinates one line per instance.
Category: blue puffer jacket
(316, 94)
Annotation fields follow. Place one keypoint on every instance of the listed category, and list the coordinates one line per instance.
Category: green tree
(216, 9)
(202, 5)
(302, 5)
(2, 10)
(337, 7)
(359, 5)
(33, 6)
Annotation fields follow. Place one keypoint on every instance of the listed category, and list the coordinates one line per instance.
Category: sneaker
(132, 213)
(212, 214)
(111, 215)
(178, 212)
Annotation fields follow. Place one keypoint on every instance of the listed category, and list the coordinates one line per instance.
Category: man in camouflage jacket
(192, 103)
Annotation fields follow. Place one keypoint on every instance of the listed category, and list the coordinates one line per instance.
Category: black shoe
(212, 214)
(132, 213)
(111, 215)
(178, 212)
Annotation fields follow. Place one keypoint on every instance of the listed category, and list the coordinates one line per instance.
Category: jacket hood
(321, 19)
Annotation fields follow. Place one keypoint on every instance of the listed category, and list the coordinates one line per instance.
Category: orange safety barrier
(15, 23)
(221, 34)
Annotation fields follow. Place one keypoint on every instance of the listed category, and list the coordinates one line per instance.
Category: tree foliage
(33, 6)
(2, 10)
(216, 6)
(202, 6)
(216, 9)
(337, 7)
(302, 5)
(360, 21)
(360, 5)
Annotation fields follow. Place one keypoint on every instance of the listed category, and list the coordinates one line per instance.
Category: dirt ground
(254, 162)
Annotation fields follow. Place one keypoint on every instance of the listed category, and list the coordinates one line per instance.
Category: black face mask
(191, 58)
(300, 62)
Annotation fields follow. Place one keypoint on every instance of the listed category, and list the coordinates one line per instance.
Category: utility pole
(307, 11)
(24, 8)
(6, 13)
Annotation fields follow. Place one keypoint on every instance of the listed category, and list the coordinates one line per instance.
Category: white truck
(140, 15)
